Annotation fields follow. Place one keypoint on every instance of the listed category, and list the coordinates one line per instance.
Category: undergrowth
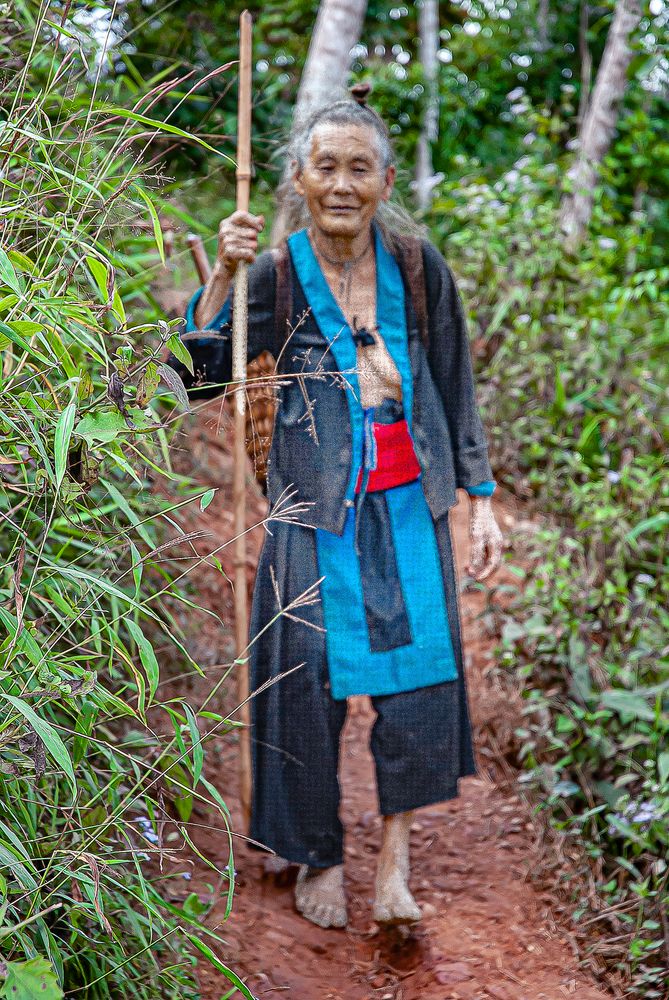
(573, 357)
(93, 764)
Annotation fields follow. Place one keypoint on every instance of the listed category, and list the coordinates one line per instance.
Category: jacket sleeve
(449, 358)
(211, 350)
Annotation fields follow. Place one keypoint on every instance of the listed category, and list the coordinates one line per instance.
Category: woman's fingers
(238, 238)
(476, 554)
(246, 220)
(494, 553)
(486, 552)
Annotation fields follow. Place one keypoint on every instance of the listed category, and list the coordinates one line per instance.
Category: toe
(321, 915)
(381, 913)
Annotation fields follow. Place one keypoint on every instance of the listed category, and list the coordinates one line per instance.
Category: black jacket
(313, 454)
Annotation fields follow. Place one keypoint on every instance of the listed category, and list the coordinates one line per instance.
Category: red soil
(488, 932)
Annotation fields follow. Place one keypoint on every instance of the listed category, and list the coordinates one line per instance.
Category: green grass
(92, 762)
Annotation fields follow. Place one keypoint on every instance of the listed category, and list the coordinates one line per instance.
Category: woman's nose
(342, 181)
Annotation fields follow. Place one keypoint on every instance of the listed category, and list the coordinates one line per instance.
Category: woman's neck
(340, 248)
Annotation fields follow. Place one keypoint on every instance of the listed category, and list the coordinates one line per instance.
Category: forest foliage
(109, 120)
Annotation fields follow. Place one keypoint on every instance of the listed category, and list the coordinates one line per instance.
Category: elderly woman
(376, 427)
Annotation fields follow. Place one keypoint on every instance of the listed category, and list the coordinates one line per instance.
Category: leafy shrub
(572, 352)
(89, 756)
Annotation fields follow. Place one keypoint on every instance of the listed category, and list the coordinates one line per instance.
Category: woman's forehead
(344, 140)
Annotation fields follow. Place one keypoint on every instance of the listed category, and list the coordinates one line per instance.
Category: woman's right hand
(238, 240)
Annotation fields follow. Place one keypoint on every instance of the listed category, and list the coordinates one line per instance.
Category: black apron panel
(387, 621)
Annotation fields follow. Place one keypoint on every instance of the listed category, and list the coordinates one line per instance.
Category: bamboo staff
(239, 345)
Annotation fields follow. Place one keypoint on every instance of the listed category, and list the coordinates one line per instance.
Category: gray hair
(345, 112)
(293, 213)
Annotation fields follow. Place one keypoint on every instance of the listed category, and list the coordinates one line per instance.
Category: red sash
(396, 461)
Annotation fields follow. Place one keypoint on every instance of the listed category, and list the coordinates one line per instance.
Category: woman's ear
(297, 178)
(391, 173)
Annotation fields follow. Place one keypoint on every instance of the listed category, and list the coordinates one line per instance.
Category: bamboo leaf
(206, 499)
(9, 275)
(99, 271)
(62, 439)
(132, 516)
(216, 962)
(17, 339)
(157, 230)
(47, 734)
(146, 655)
(196, 740)
(162, 127)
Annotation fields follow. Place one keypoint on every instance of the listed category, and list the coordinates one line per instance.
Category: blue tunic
(360, 660)
(425, 656)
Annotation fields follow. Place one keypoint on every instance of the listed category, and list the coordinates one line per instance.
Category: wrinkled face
(343, 179)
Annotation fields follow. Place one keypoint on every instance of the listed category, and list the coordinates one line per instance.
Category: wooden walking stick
(239, 346)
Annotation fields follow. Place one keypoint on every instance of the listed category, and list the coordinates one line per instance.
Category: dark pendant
(361, 335)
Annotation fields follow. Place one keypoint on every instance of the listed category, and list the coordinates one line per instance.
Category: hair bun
(360, 92)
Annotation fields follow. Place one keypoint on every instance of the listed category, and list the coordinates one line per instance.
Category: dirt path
(487, 933)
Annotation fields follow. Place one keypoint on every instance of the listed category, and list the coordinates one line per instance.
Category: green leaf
(180, 352)
(663, 767)
(161, 126)
(146, 655)
(25, 327)
(137, 567)
(47, 734)
(8, 275)
(132, 516)
(157, 230)
(26, 641)
(628, 703)
(206, 499)
(173, 380)
(30, 980)
(23, 263)
(216, 962)
(17, 339)
(560, 400)
(147, 383)
(98, 269)
(62, 439)
(101, 427)
(654, 523)
(196, 740)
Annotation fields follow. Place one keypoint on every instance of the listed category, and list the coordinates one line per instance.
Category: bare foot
(394, 904)
(319, 895)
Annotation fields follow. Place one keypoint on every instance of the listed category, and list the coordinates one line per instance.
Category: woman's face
(343, 179)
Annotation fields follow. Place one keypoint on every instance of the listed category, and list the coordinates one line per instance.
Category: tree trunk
(542, 25)
(599, 123)
(586, 63)
(324, 77)
(337, 30)
(428, 29)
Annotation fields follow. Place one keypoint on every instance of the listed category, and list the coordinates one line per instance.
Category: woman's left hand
(486, 539)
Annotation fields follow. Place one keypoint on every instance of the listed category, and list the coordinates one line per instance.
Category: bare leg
(319, 895)
(394, 903)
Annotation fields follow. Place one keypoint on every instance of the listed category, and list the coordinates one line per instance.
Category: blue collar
(390, 317)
